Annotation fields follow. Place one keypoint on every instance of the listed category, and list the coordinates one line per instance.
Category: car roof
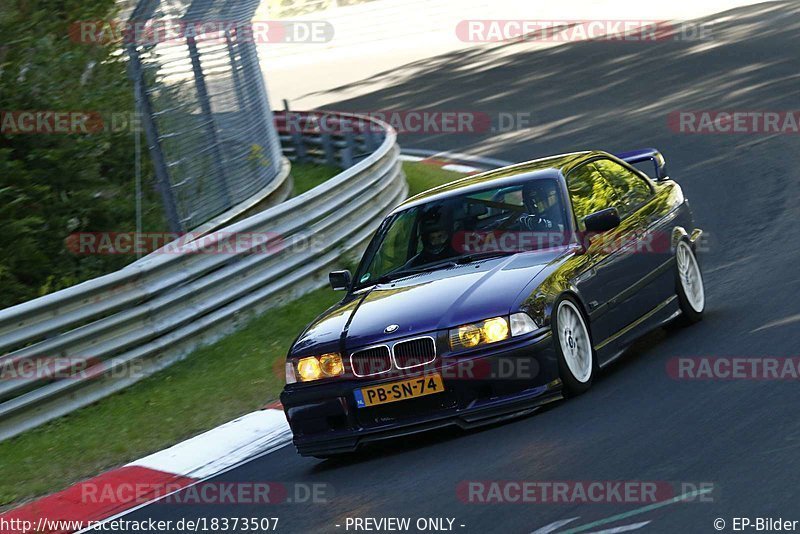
(549, 167)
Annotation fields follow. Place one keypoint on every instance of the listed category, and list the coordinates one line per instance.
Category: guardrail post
(327, 141)
(327, 146)
(349, 150)
(370, 139)
(295, 132)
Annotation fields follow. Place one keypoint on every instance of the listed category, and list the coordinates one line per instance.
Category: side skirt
(645, 324)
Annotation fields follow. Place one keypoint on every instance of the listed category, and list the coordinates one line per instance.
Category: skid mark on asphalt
(780, 322)
(644, 509)
(626, 528)
(725, 266)
(554, 526)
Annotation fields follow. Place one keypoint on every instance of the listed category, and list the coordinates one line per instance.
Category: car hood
(424, 303)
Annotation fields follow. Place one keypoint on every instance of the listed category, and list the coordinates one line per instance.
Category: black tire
(689, 315)
(572, 386)
(333, 456)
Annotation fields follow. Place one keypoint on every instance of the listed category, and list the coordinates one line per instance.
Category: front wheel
(690, 289)
(576, 361)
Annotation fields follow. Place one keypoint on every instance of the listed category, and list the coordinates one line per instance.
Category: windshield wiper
(461, 260)
(394, 275)
(469, 258)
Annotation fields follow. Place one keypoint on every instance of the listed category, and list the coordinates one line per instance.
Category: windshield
(491, 222)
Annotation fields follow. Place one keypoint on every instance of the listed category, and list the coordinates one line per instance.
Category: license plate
(397, 391)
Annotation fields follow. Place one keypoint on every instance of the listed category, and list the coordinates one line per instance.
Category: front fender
(679, 233)
(539, 297)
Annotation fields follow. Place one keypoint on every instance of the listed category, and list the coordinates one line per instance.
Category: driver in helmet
(436, 234)
(541, 203)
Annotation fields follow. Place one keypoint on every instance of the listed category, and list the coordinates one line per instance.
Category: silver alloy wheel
(690, 276)
(575, 343)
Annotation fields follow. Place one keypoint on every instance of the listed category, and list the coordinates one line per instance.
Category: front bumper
(502, 380)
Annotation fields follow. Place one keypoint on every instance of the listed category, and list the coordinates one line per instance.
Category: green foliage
(423, 176)
(238, 373)
(52, 185)
(307, 176)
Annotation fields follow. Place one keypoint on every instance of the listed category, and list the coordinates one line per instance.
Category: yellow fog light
(331, 364)
(495, 330)
(308, 369)
(469, 335)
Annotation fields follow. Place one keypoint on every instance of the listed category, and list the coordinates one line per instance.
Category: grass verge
(215, 384)
(424, 176)
(310, 175)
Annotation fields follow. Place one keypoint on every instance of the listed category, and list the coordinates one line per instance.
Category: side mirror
(340, 280)
(602, 221)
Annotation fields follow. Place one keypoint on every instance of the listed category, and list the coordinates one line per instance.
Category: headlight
(308, 369)
(471, 335)
(331, 364)
(495, 330)
(491, 331)
(313, 368)
(521, 323)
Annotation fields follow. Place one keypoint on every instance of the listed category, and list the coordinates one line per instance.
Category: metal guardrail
(110, 332)
(327, 138)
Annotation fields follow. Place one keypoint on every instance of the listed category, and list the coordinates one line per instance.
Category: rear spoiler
(657, 168)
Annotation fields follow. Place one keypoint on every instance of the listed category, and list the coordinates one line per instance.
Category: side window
(631, 189)
(393, 251)
(589, 192)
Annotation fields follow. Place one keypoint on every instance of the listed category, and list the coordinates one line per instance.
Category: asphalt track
(636, 423)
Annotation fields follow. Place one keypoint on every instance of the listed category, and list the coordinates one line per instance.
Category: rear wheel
(332, 456)
(576, 360)
(690, 289)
